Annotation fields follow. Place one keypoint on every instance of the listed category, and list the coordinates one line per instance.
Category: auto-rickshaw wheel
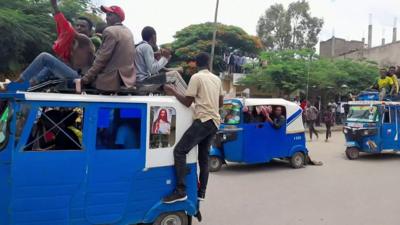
(214, 163)
(175, 218)
(352, 153)
(297, 160)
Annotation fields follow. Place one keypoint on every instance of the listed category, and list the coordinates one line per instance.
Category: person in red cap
(73, 48)
(114, 63)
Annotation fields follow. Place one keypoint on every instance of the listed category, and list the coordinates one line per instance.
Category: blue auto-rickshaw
(246, 138)
(372, 126)
(116, 170)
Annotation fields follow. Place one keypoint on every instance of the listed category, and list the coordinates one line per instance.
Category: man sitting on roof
(113, 65)
(392, 75)
(74, 50)
(148, 68)
(385, 85)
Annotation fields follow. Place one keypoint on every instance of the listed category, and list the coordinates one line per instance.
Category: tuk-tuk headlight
(345, 131)
(366, 132)
(224, 137)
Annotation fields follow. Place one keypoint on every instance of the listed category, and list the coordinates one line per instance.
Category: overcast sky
(347, 18)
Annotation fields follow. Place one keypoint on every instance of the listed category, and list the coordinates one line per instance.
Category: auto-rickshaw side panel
(233, 150)
(153, 184)
(46, 185)
(389, 129)
(255, 143)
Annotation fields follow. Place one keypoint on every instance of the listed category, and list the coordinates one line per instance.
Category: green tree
(291, 70)
(293, 28)
(27, 28)
(198, 38)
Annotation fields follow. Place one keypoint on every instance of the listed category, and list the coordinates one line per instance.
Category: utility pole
(308, 75)
(214, 36)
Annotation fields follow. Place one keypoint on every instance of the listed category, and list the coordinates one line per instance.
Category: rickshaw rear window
(363, 113)
(230, 114)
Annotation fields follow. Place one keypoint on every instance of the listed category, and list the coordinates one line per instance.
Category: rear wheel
(352, 153)
(214, 163)
(297, 160)
(176, 218)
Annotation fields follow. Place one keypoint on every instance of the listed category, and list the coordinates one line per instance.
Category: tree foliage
(27, 28)
(198, 38)
(292, 28)
(290, 70)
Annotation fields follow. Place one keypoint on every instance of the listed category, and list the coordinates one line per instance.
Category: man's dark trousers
(200, 134)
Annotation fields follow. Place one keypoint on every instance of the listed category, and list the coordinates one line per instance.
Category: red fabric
(303, 105)
(114, 9)
(65, 37)
(49, 136)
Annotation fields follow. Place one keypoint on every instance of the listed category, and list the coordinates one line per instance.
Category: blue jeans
(42, 76)
(44, 65)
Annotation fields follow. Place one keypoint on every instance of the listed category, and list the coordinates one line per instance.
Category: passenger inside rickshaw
(118, 129)
(276, 115)
(55, 129)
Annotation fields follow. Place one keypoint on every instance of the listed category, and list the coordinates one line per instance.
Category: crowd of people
(104, 58)
(331, 115)
(237, 62)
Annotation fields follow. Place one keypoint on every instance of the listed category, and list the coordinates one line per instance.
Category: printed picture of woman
(161, 125)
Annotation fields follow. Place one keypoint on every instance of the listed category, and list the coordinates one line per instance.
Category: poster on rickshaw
(162, 120)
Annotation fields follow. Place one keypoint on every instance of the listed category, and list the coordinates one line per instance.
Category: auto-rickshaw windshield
(363, 113)
(230, 113)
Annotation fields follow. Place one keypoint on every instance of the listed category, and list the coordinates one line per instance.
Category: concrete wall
(387, 55)
(341, 47)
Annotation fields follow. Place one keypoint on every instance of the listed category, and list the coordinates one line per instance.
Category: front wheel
(214, 163)
(176, 218)
(352, 153)
(297, 160)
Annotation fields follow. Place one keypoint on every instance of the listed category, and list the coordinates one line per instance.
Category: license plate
(351, 144)
(356, 125)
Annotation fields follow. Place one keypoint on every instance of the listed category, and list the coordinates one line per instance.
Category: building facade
(335, 47)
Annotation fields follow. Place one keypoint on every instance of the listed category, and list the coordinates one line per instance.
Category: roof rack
(67, 87)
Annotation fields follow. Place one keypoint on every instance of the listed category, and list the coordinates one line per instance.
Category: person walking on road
(329, 120)
(311, 116)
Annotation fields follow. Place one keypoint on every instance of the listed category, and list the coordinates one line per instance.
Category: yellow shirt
(396, 82)
(386, 82)
(206, 88)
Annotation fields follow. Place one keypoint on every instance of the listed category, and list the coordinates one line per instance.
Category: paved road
(342, 192)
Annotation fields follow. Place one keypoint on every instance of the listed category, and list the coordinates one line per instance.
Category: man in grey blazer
(114, 63)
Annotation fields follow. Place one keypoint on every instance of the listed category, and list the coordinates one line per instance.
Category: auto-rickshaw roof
(37, 96)
(264, 101)
(373, 103)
